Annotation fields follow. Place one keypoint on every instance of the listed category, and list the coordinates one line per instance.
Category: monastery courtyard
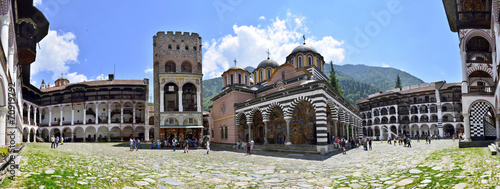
(108, 165)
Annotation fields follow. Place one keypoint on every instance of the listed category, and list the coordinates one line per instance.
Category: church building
(290, 103)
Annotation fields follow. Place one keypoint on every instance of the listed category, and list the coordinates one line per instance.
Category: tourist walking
(139, 143)
(186, 146)
(343, 146)
(159, 143)
(418, 138)
(239, 145)
(429, 138)
(252, 144)
(53, 140)
(131, 144)
(208, 147)
(389, 141)
(248, 147)
(408, 142)
(370, 143)
(57, 142)
(174, 143)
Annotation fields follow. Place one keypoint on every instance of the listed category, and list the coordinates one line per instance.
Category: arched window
(194, 48)
(170, 67)
(246, 81)
(169, 46)
(291, 61)
(178, 47)
(232, 82)
(239, 79)
(260, 76)
(309, 60)
(299, 61)
(186, 67)
(186, 48)
(221, 132)
(283, 75)
(318, 63)
(268, 73)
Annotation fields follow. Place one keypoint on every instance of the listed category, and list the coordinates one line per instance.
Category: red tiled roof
(98, 83)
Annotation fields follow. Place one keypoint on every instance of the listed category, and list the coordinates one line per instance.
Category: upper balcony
(481, 90)
(479, 57)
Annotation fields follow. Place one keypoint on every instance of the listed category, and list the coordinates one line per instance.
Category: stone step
(493, 149)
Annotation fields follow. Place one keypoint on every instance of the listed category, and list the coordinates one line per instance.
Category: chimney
(42, 87)
(111, 77)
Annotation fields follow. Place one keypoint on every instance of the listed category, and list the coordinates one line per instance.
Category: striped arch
(333, 109)
(251, 113)
(238, 115)
(341, 115)
(267, 111)
(296, 101)
(477, 33)
(480, 68)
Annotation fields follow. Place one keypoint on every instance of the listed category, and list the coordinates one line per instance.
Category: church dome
(304, 48)
(267, 63)
(236, 68)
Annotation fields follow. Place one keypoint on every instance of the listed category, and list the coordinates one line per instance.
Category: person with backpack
(53, 140)
(408, 142)
(248, 147)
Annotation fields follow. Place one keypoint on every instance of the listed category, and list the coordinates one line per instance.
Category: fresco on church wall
(302, 126)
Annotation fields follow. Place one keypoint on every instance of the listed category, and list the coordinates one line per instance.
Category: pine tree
(333, 80)
(398, 83)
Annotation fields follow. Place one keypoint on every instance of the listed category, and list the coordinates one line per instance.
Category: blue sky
(88, 38)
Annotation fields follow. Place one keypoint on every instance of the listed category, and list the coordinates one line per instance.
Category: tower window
(260, 76)
(291, 61)
(194, 48)
(232, 79)
(187, 48)
(269, 73)
(309, 60)
(318, 63)
(169, 46)
(283, 75)
(178, 47)
(246, 81)
(299, 62)
(239, 79)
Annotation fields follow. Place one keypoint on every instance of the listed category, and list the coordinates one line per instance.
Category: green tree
(333, 80)
(398, 82)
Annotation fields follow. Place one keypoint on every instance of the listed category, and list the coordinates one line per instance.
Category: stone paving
(106, 165)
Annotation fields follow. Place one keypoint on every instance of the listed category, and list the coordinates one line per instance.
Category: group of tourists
(135, 144)
(249, 146)
(55, 141)
(343, 143)
(405, 141)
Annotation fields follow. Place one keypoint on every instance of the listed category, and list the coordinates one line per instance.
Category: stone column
(146, 134)
(29, 115)
(497, 123)
(121, 114)
(266, 123)
(467, 127)
(50, 117)
(72, 136)
(72, 115)
(288, 120)
(198, 98)
(249, 131)
(133, 114)
(84, 114)
(61, 117)
(97, 113)
(162, 101)
(380, 133)
(109, 113)
(181, 109)
(34, 119)
(5, 31)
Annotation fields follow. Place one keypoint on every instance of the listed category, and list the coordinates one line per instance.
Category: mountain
(353, 90)
(211, 87)
(380, 77)
(357, 81)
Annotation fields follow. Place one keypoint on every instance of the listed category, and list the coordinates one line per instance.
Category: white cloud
(384, 65)
(57, 51)
(149, 70)
(249, 44)
(101, 77)
(262, 18)
(75, 77)
(37, 2)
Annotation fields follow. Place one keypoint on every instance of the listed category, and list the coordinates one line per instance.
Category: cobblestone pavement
(105, 165)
